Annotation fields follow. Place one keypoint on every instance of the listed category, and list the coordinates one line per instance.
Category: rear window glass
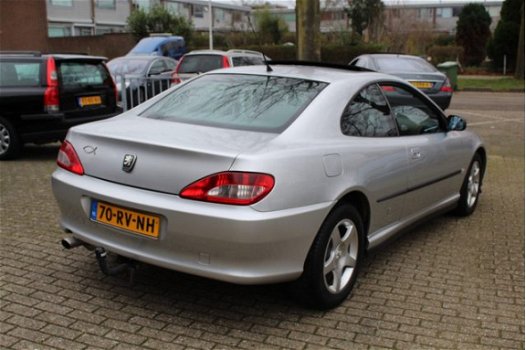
(128, 66)
(234, 101)
(19, 73)
(247, 61)
(200, 63)
(403, 64)
(83, 74)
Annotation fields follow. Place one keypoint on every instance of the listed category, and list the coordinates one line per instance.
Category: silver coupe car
(257, 175)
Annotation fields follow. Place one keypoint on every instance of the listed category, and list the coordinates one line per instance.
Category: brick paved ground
(451, 283)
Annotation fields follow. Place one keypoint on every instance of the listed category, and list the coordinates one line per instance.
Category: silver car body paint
(404, 179)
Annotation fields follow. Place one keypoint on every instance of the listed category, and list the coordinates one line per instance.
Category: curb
(488, 90)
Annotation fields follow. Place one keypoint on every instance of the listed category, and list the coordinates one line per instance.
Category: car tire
(9, 141)
(332, 265)
(471, 188)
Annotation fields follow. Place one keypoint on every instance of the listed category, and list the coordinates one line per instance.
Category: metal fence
(135, 89)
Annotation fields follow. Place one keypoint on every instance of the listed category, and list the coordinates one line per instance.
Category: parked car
(160, 45)
(142, 76)
(202, 61)
(415, 70)
(43, 95)
(250, 176)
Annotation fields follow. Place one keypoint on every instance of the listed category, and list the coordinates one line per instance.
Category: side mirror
(456, 123)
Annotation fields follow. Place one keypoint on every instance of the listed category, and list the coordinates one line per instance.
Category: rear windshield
(126, 66)
(19, 73)
(200, 63)
(403, 64)
(247, 61)
(73, 73)
(234, 101)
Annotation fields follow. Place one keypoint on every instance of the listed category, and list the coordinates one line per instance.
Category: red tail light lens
(388, 88)
(446, 87)
(51, 96)
(68, 159)
(226, 64)
(175, 73)
(114, 86)
(230, 188)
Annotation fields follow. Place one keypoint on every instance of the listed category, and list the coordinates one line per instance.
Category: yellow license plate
(125, 219)
(422, 84)
(90, 101)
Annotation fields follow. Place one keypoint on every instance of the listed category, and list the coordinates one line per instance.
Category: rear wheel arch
(482, 154)
(358, 200)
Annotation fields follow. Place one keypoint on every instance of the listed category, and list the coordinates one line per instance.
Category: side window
(368, 115)
(19, 73)
(157, 67)
(412, 113)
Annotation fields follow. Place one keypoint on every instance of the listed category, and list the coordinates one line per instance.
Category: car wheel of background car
(9, 143)
(333, 261)
(469, 193)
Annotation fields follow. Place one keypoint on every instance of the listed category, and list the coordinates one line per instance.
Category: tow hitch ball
(128, 266)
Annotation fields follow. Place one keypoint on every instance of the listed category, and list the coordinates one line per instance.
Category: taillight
(446, 87)
(51, 95)
(68, 159)
(175, 73)
(237, 188)
(388, 88)
(226, 64)
(114, 86)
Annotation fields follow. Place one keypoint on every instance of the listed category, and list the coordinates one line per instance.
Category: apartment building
(92, 17)
(440, 16)
(86, 17)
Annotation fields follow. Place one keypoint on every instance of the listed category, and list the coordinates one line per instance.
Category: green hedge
(329, 53)
(441, 54)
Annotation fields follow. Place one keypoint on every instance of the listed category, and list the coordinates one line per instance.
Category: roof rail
(19, 53)
(322, 64)
(153, 35)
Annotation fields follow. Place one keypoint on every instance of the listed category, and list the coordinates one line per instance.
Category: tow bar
(128, 266)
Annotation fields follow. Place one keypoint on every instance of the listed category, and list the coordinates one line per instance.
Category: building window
(83, 31)
(199, 11)
(106, 4)
(446, 12)
(425, 13)
(68, 3)
(57, 30)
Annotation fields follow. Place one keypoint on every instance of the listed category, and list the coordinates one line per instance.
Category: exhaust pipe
(71, 242)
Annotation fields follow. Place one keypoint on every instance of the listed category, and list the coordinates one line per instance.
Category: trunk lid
(168, 155)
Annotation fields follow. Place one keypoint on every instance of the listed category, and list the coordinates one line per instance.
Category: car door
(156, 80)
(434, 154)
(368, 121)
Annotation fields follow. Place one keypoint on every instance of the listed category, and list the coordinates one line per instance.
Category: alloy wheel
(5, 139)
(473, 187)
(341, 255)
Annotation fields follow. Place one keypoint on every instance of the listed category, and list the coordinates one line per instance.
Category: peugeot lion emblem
(128, 162)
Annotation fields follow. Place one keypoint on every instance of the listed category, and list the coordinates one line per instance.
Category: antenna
(269, 68)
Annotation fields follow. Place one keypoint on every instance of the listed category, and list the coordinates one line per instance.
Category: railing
(135, 89)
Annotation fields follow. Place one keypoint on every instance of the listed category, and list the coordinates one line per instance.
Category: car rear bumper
(230, 243)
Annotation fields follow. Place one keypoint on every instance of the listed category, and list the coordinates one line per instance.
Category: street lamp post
(210, 24)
